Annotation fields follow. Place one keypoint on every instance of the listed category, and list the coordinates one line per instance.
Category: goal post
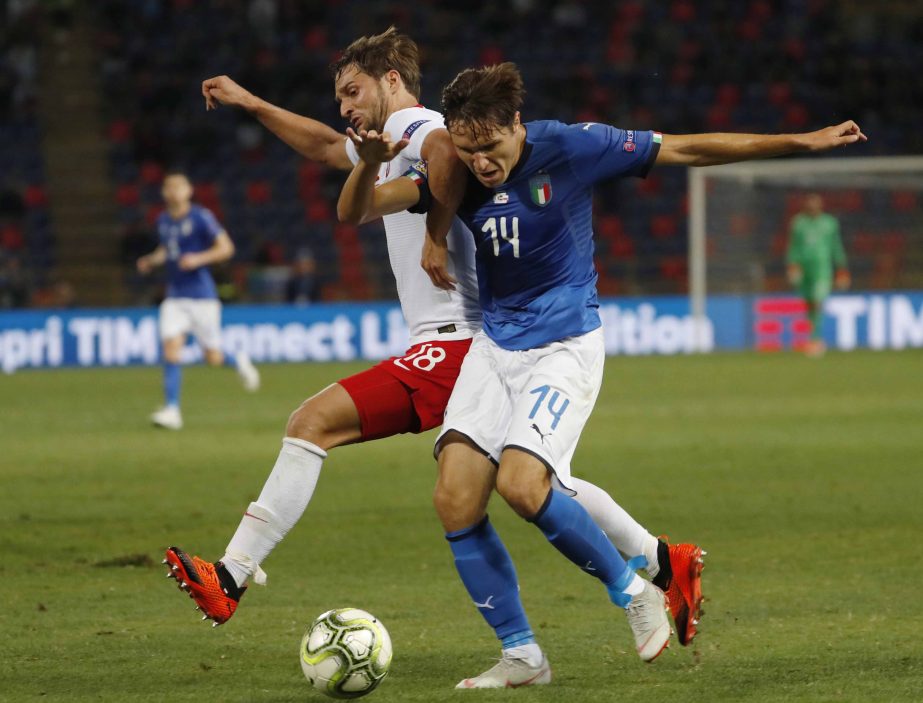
(740, 214)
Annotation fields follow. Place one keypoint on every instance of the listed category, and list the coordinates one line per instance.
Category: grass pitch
(802, 479)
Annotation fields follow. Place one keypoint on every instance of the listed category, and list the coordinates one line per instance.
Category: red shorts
(407, 393)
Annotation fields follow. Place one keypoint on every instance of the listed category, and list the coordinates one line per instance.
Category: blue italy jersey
(193, 233)
(534, 232)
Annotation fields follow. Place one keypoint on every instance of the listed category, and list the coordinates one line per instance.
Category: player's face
(176, 191)
(490, 154)
(363, 101)
(814, 205)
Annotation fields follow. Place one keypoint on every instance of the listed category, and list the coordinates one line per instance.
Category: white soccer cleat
(647, 617)
(168, 417)
(249, 376)
(511, 672)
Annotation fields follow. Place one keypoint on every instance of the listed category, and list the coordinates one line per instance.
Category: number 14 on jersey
(498, 226)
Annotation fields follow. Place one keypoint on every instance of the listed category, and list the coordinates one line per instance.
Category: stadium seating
(636, 63)
(26, 240)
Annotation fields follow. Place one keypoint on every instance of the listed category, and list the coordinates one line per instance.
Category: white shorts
(201, 317)
(537, 400)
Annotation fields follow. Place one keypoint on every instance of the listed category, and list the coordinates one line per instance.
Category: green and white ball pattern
(346, 653)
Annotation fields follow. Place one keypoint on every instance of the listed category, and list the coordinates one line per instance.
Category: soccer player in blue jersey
(532, 375)
(191, 240)
(377, 86)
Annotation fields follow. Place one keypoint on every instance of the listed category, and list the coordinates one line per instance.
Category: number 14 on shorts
(555, 408)
(425, 358)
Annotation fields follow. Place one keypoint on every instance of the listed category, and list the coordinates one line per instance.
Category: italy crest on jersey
(540, 188)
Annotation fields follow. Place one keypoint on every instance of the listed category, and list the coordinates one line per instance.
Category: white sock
(282, 502)
(636, 586)
(629, 537)
(530, 653)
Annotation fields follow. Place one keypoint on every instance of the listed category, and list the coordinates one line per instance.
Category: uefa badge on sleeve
(540, 188)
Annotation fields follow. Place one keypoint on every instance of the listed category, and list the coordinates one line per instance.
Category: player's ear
(394, 79)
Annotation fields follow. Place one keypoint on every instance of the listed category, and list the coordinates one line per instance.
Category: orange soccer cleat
(683, 585)
(210, 585)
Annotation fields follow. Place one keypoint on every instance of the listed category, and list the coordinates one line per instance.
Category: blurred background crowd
(98, 99)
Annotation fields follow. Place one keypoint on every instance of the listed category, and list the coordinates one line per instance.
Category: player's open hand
(375, 148)
(144, 265)
(435, 261)
(832, 137)
(222, 90)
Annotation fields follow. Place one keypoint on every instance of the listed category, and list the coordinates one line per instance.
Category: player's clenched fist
(838, 135)
(222, 90)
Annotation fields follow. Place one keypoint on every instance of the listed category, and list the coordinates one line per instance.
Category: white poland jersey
(426, 308)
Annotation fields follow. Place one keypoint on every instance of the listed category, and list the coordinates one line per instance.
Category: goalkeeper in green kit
(815, 252)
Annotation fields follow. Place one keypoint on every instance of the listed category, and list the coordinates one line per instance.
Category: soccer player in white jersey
(377, 83)
(191, 240)
(533, 373)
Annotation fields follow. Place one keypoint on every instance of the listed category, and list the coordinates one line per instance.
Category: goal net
(740, 216)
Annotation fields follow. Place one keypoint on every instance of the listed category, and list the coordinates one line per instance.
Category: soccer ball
(346, 653)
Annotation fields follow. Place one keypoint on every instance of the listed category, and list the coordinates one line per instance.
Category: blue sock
(172, 377)
(230, 360)
(569, 527)
(488, 573)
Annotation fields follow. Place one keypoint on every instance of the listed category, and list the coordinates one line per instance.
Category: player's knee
(523, 495)
(456, 506)
(214, 357)
(444, 502)
(311, 423)
(449, 500)
(172, 349)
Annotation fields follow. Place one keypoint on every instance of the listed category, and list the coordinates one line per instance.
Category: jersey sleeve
(414, 125)
(599, 152)
(417, 132)
(417, 173)
(210, 225)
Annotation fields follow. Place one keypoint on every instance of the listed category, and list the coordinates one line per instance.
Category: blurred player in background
(816, 261)
(532, 375)
(191, 240)
(377, 84)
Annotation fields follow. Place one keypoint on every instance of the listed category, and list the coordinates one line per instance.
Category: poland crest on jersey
(540, 188)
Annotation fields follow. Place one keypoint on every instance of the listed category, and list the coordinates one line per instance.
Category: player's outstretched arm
(360, 201)
(723, 148)
(312, 139)
(222, 249)
(149, 262)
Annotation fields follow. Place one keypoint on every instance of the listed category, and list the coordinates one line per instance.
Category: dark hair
(380, 53)
(483, 98)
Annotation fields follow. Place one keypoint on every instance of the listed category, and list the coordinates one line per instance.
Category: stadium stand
(26, 242)
(635, 63)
